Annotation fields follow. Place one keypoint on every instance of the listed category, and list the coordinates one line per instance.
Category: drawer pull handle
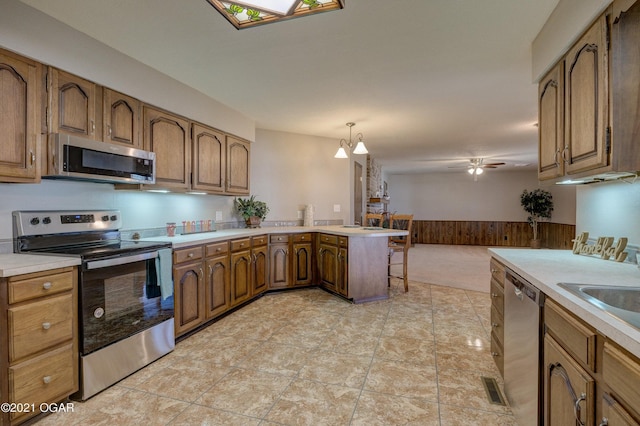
(494, 295)
(46, 380)
(46, 325)
(190, 255)
(218, 249)
(46, 286)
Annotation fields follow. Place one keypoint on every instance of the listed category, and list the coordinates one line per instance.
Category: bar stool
(400, 244)
(373, 219)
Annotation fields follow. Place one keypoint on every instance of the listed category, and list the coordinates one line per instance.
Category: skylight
(246, 14)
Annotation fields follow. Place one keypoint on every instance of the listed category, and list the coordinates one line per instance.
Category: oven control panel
(41, 222)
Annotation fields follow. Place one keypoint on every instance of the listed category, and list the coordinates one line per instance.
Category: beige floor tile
(464, 389)
(402, 378)
(408, 327)
(458, 416)
(145, 373)
(204, 416)
(226, 351)
(417, 351)
(312, 403)
(465, 358)
(336, 369)
(247, 392)
(184, 381)
(380, 409)
(349, 343)
(278, 359)
(300, 335)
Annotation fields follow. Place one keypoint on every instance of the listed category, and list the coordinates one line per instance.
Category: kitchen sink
(618, 301)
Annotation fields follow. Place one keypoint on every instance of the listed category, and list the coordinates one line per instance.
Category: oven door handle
(121, 260)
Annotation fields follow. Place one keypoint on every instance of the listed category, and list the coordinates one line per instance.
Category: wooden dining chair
(400, 244)
(373, 219)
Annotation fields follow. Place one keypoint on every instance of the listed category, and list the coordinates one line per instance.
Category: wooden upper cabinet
(551, 124)
(121, 118)
(73, 105)
(209, 159)
(238, 155)
(587, 129)
(168, 136)
(19, 118)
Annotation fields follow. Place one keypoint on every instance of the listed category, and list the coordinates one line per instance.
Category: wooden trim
(491, 233)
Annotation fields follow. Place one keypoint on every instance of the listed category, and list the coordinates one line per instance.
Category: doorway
(357, 193)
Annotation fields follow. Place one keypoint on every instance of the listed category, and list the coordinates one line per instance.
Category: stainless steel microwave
(85, 159)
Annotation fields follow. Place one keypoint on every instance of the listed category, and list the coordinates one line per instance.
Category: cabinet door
(260, 270)
(551, 124)
(302, 263)
(209, 158)
(218, 291)
(237, 166)
(73, 102)
(568, 388)
(241, 267)
(19, 119)
(121, 119)
(189, 311)
(586, 101)
(342, 283)
(167, 135)
(614, 414)
(328, 266)
(279, 275)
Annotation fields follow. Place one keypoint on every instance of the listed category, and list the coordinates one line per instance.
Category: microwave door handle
(95, 264)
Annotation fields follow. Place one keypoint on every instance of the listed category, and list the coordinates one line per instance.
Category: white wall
(289, 171)
(609, 209)
(455, 196)
(36, 35)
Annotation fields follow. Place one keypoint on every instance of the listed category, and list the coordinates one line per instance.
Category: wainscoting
(510, 234)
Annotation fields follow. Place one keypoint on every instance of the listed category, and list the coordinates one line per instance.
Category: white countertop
(17, 264)
(546, 268)
(187, 240)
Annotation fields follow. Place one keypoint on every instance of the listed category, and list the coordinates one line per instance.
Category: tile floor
(308, 358)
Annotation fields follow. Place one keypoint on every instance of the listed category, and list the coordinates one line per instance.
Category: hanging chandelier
(360, 148)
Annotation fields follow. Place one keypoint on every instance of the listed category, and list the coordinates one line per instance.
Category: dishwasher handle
(523, 288)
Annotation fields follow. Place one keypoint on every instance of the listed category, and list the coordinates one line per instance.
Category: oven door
(120, 297)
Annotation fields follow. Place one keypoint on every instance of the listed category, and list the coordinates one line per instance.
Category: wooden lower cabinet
(614, 414)
(569, 390)
(343, 272)
(279, 265)
(328, 266)
(189, 297)
(333, 270)
(259, 270)
(217, 290)
(302, 263)
(39, 363)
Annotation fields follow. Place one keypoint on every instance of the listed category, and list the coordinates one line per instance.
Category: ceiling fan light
(470, 171)
(360, 148)
(479, 171)
(341, 153)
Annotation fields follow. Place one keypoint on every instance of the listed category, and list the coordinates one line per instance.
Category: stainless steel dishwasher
(522, 348)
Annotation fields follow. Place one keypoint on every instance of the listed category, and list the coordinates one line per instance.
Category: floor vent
(493, 391)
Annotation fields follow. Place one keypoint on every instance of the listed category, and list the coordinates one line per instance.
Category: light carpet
(459, 266)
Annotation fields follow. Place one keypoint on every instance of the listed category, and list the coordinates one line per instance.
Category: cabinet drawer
(242, 244)
(497, 354)
(216, 249)
(39, 325)
(497, 297)
(497, 325)
(329, 239)
(622, 373)
(278, 238)
(571, 333)
(297, 238)
(497, 271)
(343, 241)
(187, 254)
(31, 288)
(259, 240)
(49, 377)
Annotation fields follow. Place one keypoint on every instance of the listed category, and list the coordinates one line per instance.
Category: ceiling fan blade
(488, 167)
(494, 164)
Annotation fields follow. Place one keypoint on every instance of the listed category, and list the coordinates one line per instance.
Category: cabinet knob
(46, 325)
(494, 354)
(279, 238)
(46, 285)
(494, 295)
(495, 325)
(190, 255)
(46, 380)
(219, 249)
(33, 157)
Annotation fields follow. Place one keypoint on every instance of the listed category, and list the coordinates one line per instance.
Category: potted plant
(251, 210)
(539, 205)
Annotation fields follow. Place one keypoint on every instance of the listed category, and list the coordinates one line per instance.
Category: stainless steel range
(125, 290)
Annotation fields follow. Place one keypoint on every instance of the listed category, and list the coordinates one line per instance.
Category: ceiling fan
(476, 166)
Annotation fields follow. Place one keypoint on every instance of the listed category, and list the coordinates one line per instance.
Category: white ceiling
(424, 80)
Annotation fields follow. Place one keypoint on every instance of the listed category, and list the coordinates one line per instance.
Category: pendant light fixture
(360, 148)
